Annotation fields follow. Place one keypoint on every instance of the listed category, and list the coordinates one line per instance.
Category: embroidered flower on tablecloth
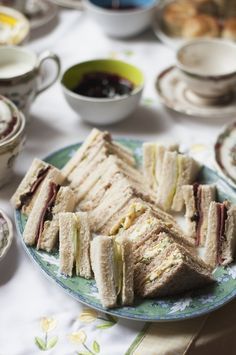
(79, 338)
(47, 324)
(89, 315)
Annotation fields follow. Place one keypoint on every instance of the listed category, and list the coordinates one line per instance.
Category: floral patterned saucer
(225, 152)
(188, 305)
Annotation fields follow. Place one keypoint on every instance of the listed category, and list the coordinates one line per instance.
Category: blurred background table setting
(155, 71)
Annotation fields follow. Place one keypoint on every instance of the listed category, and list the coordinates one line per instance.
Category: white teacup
(209, 69)
(20, 74)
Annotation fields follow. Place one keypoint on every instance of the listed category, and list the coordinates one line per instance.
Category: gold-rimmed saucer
(175, 94)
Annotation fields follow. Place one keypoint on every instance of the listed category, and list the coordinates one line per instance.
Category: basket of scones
(190, 19)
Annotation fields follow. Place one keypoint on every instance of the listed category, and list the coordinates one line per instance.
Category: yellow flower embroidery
(78, 337)
(47, 324)
(197, 148)
(88, 315)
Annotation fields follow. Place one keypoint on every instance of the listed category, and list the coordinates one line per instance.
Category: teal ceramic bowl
(103, 111)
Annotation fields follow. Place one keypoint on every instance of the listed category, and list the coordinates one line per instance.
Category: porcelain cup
(209, 69)
(21, 77)
(12, 144)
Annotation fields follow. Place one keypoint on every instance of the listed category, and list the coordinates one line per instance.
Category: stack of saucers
(12, 137)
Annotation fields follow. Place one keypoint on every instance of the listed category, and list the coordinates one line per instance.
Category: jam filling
(26, 197)
(198, 216)
(46, 214)
(103, 85)
(221, 219)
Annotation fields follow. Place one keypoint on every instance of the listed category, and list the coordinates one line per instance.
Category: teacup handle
(47, 55)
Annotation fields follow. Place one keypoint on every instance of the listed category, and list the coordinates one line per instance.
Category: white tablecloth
(32, 307)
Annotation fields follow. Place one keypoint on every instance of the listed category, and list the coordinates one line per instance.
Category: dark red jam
(121, 7)
(103, 85)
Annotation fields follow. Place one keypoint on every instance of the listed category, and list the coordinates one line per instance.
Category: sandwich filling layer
(198, 216)
(221, 237)
(46, 214)
(127, 220)
(76, 243)
(27, 196)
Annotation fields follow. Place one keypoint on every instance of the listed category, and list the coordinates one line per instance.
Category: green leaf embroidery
(83, 353)
(52, 342)
(96, 347)
(112, 318)
(40, 343)
(105, 325)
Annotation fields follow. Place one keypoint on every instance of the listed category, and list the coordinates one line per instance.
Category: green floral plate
(188, 305)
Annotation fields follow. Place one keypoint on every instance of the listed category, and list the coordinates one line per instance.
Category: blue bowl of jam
(121, 18)
(103, 91)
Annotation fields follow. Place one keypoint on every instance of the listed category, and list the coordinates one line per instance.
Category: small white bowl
(12, 145)
(121, 23)
(103, 111)
(6, 234)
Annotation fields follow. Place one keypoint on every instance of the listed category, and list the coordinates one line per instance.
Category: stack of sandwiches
(168, 171)
(197, 200)
(139, 248)
(221, 234)
(74, 244)
(113, 267)
(28, 190)
(164, 267)
(42, 226)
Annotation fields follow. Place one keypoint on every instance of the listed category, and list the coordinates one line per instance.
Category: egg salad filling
(142, 229)
(135, 210)
(165, 266)
(157, 249)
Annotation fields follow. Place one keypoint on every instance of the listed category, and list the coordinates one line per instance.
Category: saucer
(175, 94)
(39, 13)
(225, 152)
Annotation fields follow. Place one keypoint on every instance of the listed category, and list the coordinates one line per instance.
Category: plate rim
(117, 312)
(227, 176)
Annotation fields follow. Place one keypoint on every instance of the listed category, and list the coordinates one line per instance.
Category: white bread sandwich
(115, 198)
(74, 244)
(29, 187)
(100, 179)
(112, 264)
(153, 155)
(164, 268)
(42, 226)
(177, 170)
(137, 220)
(97, 141)
(197, 200)
(221, 234)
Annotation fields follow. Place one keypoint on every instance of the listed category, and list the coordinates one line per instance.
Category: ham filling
(198, 215)
(26, 197)
(46, 214)
(221, 219)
